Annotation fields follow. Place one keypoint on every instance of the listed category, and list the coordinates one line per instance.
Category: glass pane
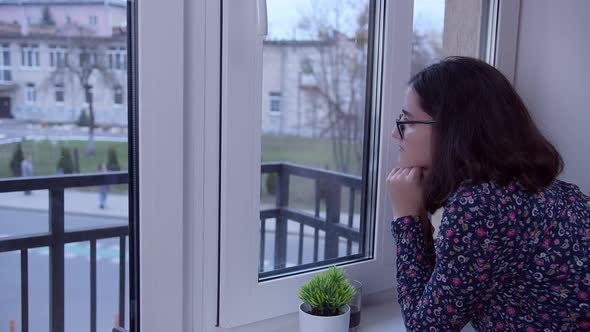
(444, 28)
(6, 58)
(315, 66)
(54, 140)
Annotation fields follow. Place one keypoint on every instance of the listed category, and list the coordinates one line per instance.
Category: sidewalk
(76, 202)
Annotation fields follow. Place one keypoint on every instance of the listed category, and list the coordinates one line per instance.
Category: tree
(46, 17)
(338, 66)
(17, 158)
(83, 63)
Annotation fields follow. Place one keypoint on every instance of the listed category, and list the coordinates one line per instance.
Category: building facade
(52, 52)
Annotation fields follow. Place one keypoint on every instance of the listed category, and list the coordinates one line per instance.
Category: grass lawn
(314, 152)
(299, 150)
(46, 156)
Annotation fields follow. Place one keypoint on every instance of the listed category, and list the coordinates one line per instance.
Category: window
(30, 56)
(440, 29)
(88, 94)
(92, 20)
(305, 201)
(118, 96)
(117, 58)
(59, 93)
(5, 72)
(87, 58)
(58, 56)
(319, 177)
(275, 102)
(30, 93)
(78, 278)
(312, 192)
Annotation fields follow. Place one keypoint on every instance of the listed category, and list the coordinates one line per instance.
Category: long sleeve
(445, 294)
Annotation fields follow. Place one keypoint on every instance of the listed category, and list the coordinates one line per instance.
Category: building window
(92, 20)
(117, 58)
(118, 96)
(59, 93)
(275, 103)
(5, 73)
(87, 58)
(30, 56)
(30, 93)
(88, 96)
(57, 56)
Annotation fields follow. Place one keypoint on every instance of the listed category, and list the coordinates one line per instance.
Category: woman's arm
(445, 294)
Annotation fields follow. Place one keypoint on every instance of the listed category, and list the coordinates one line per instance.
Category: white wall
(552, 73)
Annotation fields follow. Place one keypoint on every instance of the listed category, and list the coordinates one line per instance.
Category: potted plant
(325, 302)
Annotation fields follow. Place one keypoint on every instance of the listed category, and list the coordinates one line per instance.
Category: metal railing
(328, 184)
(57, 238)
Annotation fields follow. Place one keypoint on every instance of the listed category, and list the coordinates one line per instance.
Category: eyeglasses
(401, 124)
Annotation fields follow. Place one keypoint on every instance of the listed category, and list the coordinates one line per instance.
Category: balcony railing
(331, 184)
(57, 238)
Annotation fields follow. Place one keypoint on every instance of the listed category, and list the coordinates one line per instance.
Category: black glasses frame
(400, 124)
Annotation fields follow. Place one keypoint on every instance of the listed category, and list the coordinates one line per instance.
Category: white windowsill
(380, 313)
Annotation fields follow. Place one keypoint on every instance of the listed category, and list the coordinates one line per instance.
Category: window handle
(262, 17)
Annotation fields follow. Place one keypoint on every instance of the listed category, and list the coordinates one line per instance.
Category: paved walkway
(77, 202)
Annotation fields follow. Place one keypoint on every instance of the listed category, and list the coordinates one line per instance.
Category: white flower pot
(312, 323)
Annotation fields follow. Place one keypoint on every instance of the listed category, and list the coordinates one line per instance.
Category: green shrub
(65, 164)
(327, 292)
(112, 160)
(83, 119)
(17, 158)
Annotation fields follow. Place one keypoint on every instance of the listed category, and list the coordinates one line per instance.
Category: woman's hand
(406, 193)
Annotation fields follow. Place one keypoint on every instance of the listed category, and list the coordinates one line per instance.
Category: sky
(284, 15)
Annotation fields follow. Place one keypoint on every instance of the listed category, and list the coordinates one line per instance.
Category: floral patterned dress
(504, 260)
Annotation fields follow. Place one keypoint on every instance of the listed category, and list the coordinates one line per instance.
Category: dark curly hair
(483, 131)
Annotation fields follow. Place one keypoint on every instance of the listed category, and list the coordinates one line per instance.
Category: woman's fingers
(415, 174)
(393, 172)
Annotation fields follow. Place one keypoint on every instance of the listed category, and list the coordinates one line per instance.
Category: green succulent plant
(326, 293)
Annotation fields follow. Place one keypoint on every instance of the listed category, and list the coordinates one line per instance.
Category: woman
(513, 248)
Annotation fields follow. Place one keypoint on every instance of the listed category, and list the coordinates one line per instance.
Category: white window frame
(4, 67)
(114, 54)
(56, 89)
(33, 51)
(30, 93)
(240, 170)
(90, 54)
(120, 89)
(160, 39)
(179, 261)
(274, 97)
(84, 97)
(57, 55)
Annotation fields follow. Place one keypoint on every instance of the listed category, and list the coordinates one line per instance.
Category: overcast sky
(283, 15)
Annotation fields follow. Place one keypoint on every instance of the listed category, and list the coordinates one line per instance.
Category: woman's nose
(395, 134)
